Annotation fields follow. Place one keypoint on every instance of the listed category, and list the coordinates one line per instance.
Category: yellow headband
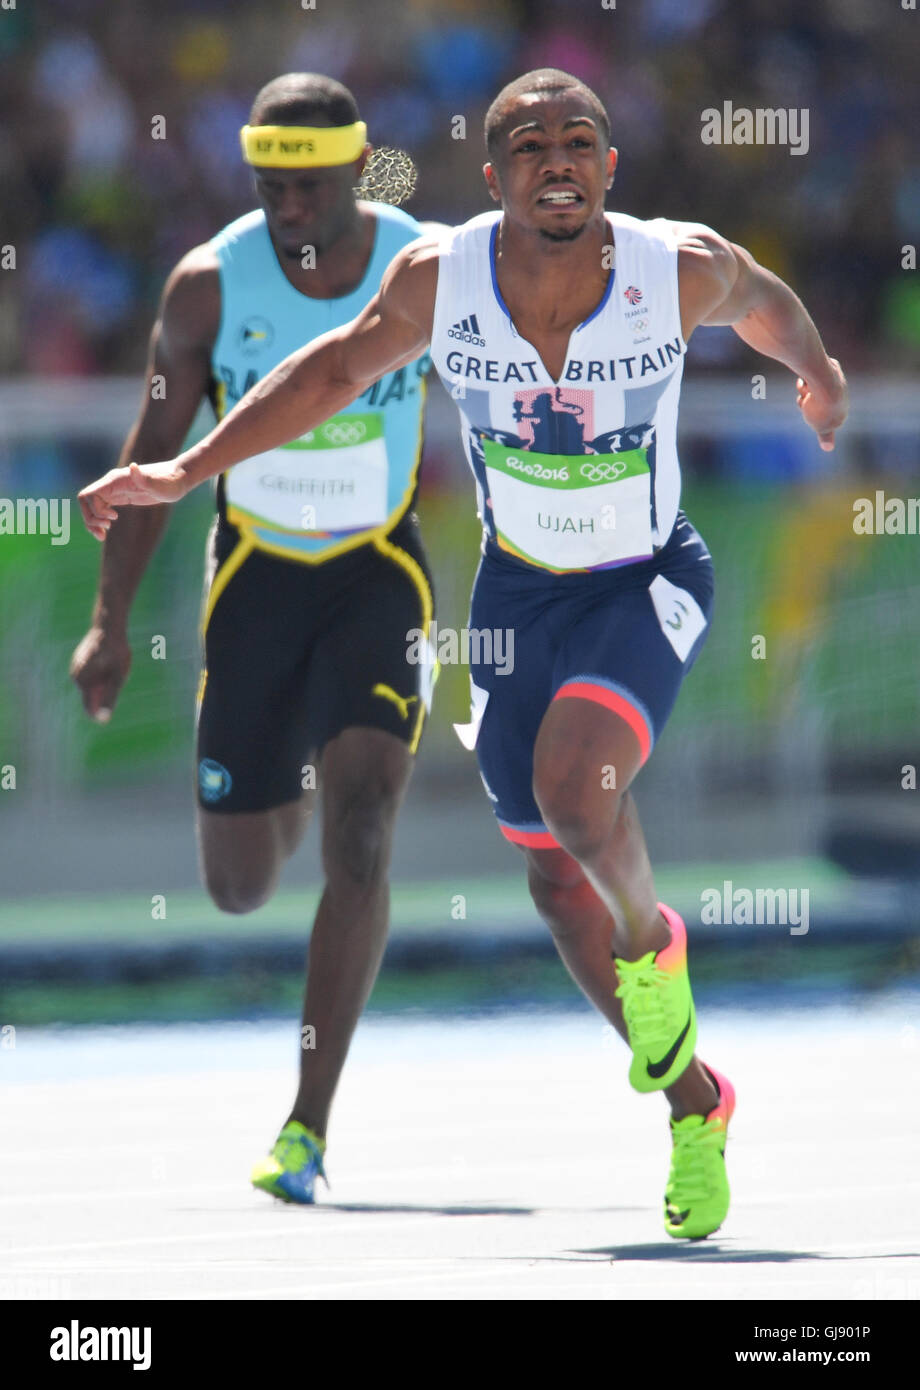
(302, 147)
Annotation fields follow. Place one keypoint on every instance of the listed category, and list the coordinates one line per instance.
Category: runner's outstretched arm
(721, 283)
(302, 391)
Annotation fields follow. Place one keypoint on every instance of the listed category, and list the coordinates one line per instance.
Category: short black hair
(550, 81)
(302, 98)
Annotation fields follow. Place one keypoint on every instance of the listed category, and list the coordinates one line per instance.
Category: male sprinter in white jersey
(568, 408)
(316, 570)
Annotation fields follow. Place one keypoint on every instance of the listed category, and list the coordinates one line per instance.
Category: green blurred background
(793, 770)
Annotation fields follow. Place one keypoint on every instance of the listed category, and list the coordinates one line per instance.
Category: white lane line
(881, 1243)
(191, 1239)
(114, 1194)
(429, 1276)
(893, 1189)
(617, 1279)
(417, 1219)
(621, 1293)
(444, 1171)
(304, 1268)
(749, 1143)
(543, 1282)
(905, 1263)
(54, 1152)
(505, 1292)
(820, 1195)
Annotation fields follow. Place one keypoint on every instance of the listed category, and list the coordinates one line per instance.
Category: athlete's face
(308, 207)
(552, 167)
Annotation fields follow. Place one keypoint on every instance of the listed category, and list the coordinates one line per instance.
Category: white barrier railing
(713, 407)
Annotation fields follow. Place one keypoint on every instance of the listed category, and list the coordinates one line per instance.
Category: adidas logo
(467, 330)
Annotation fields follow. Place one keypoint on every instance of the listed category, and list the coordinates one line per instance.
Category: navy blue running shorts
(624, 637)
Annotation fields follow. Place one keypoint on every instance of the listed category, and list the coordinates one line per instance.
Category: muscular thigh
(599, 661)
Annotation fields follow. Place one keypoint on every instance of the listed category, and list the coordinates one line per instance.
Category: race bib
(570, 511)
(332, 479)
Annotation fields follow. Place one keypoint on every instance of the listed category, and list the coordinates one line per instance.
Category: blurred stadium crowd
(99, 210)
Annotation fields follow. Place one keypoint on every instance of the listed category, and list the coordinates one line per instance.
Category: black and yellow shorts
(295, 653)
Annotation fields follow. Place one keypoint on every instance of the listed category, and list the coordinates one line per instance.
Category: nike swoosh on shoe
(658, 1069)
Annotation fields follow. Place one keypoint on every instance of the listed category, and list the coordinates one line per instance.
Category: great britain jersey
(583, 473)
(353, 476)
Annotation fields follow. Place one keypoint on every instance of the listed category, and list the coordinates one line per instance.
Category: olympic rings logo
(345, 432)
(602, 472)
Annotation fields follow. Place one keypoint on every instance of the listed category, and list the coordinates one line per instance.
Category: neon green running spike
(658, 1010)
(293, 1166)
(697, 1196)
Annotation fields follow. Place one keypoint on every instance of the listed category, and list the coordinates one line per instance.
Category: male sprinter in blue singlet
(568, 409)
(316, 570)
